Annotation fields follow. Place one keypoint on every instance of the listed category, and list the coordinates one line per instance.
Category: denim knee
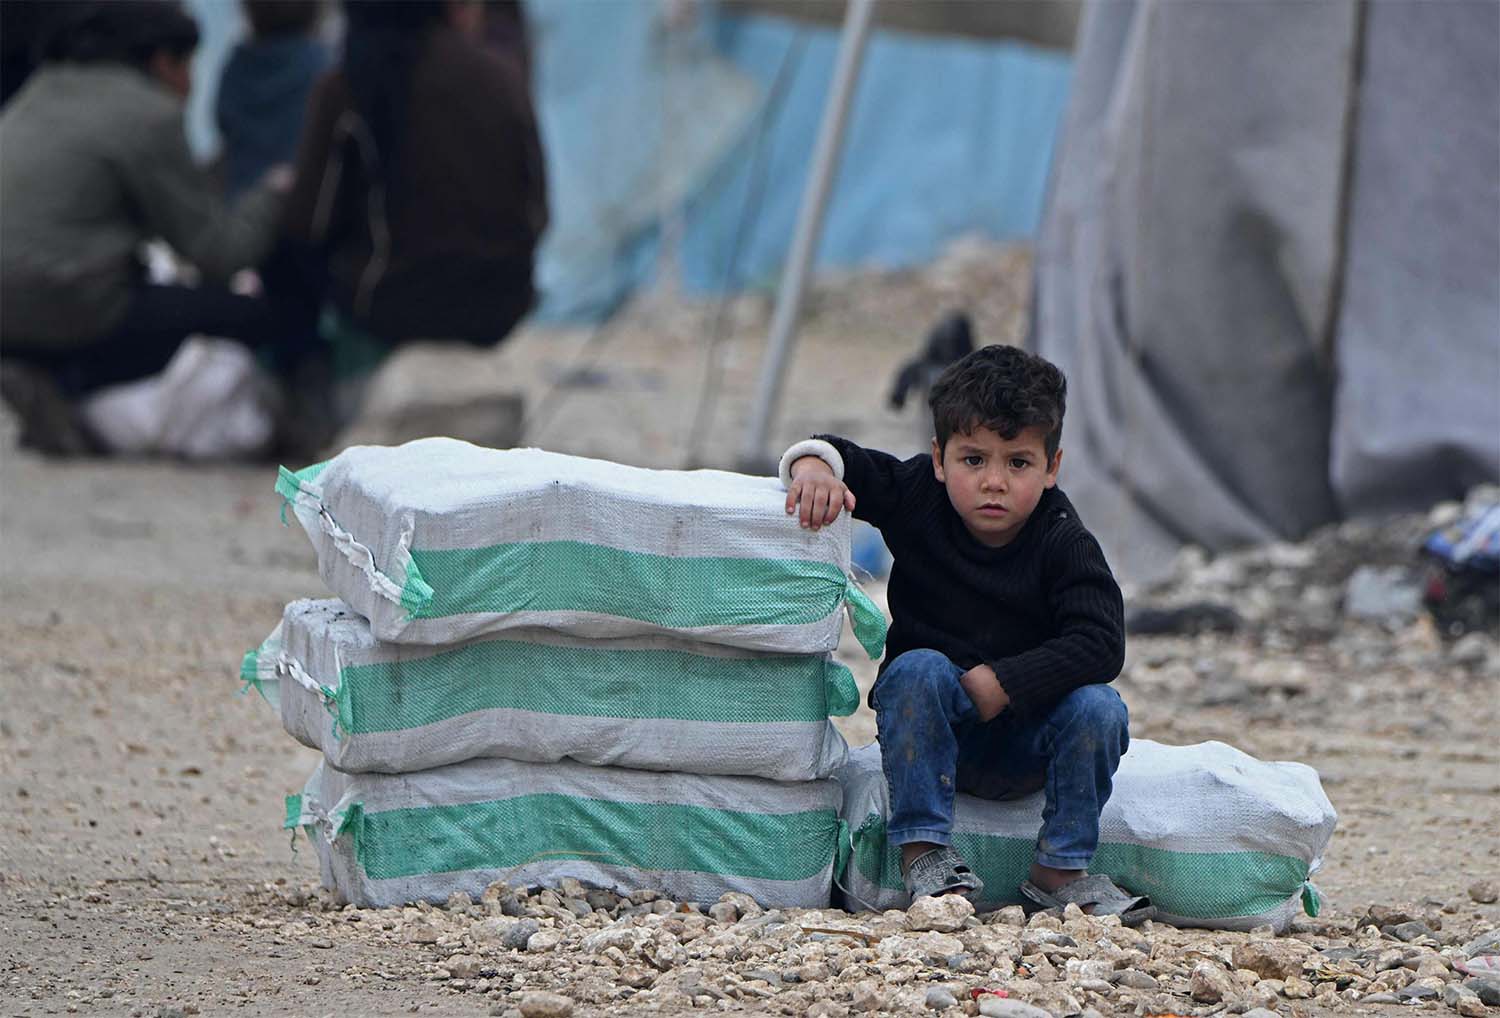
(1097, 707)
(913, 671)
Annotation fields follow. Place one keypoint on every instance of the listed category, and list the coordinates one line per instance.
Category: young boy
(1007, 626)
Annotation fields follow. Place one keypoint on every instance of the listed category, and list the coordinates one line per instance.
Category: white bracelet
(810, 447)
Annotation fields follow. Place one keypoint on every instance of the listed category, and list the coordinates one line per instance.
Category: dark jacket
(1043, 611)
(438, 241)
(93, 162)
(262, 103)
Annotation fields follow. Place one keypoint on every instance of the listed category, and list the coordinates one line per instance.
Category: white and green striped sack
(391, 839)
(651, 703)
(438, 540)
(1217, 838)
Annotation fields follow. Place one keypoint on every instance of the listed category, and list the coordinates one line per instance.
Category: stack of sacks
(1217, 838)
(542, 666)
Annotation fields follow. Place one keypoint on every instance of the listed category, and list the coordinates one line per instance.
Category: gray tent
(1270, 266)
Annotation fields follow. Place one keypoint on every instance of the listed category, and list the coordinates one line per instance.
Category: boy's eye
(1020, 463)
(974, 461)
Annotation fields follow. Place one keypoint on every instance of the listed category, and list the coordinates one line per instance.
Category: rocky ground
(143, 870)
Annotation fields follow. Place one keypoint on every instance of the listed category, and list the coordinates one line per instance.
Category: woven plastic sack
(651, 702)
(439, 540)
(1217, 838)
(390, 839)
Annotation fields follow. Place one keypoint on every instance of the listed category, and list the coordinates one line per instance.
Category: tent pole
(754, 457)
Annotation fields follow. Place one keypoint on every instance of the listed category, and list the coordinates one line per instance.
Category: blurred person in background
(21, 23)
(94, 163)
(420, 192)
(263, 92)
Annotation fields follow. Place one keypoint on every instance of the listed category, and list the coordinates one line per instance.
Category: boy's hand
(816, 495)
(985, 690)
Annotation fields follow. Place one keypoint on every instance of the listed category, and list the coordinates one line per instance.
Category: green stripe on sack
(648, 836)
(1199, 885)
(675, 593)
(293, 812)
(549, 679)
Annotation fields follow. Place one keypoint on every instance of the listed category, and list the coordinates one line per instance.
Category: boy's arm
(1090, 643)
(874, 481)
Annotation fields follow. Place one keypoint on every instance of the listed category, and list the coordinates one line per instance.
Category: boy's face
(995, 483)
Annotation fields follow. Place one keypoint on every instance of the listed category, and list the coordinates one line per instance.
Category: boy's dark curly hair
(1001, 388)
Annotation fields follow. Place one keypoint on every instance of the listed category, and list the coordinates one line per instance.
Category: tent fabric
(1246, 340)
(654, 131)
(1417, 412)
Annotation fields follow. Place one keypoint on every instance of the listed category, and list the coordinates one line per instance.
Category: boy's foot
(941, 870)
(1096, 894)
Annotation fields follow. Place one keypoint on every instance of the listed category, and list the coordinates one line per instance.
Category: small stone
(992, 1006)
(1271, 959)
(637, 977)
(1261, 1012)
(1010, 915)
(1380, 998)
(463, 966)
(578, 907)
(1417, 991)
(1452, 992)
(824, 1009)
(1093, 969)
(939, 998)
(746, 905)
(601, 900)
(1134, 979)
(1210, 984)
(642, 895)
(1262, 996)
(1486, 988)
(543, 940)
(1382, 915)
(1485, 943)
(945, 913)
(724, 912)
(1432, 966)
(1485, 892)
(1407, 932)
(1035, 941)
(167, 1011)
(1471, 649)
(1297, 989)
(1470, 1007)
(459, 901)
(542, 1004)
(866, 996)
(519, 934)
(422, 933)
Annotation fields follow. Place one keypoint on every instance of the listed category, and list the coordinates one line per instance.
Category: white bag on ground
(1217, 838)
(388, 839)
(650, 702)
(439, 540)
(210, 403)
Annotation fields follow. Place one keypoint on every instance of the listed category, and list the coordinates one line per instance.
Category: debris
(945, 913)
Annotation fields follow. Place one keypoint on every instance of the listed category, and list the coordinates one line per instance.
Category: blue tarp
(645, 123)
(948, 136)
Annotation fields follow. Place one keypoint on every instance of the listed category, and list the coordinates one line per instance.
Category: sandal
(941, 871)
(1098, 891)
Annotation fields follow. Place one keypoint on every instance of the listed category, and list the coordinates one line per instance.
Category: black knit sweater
(1044, 611)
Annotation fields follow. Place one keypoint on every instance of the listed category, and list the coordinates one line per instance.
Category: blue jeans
(932, 742)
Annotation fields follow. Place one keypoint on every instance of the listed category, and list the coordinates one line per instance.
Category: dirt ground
(143, 868)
